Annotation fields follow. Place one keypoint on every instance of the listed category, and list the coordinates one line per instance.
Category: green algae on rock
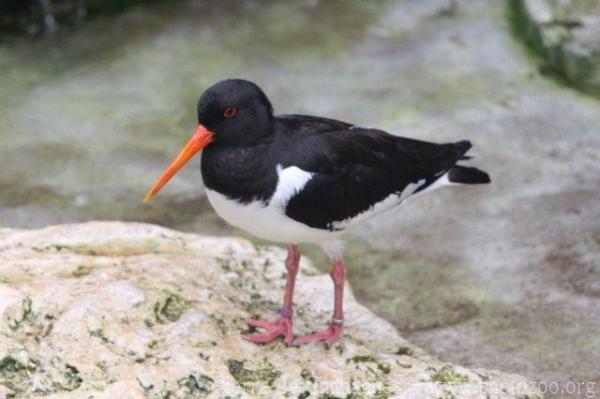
(91, 336)
(195, 386)
(23, 374)
(12, 371)
(170, 308)
(251, 380)
(446, 374)
(567, 34)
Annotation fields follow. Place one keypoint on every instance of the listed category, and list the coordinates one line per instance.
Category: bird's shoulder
(307, 125)
(324, 145)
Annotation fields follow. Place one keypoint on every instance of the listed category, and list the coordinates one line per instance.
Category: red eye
(229, 112)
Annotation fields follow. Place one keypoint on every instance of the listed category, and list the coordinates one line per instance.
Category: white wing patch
(410, 189)
(291, 181)
(440, 182)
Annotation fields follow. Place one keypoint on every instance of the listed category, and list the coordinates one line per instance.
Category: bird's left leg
(282, 326)
(334, 331)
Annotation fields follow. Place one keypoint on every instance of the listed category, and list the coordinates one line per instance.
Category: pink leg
(334, 331)
(282, 326)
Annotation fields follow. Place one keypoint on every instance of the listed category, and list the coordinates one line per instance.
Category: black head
(236, 111)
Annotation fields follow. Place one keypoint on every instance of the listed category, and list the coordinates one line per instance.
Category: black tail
(467, 175)
(462, 147)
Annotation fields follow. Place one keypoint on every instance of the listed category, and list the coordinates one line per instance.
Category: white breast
(269, 221)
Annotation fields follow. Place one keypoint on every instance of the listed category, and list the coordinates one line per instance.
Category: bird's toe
(329, 335)
(274, 329)
(259, 323)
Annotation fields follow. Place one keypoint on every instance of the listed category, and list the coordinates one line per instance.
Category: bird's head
(235, 111)
(232, 112)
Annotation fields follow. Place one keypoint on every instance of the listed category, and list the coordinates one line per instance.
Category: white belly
(269, 221)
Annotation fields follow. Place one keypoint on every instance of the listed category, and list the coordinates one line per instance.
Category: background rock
(39, 16)
(567, 34)
(105, 310)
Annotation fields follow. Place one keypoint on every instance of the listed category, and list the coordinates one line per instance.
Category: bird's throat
(244, 174)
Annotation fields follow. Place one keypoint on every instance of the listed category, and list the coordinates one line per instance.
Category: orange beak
(200, 139)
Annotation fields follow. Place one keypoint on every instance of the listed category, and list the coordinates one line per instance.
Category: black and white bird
(306, 179)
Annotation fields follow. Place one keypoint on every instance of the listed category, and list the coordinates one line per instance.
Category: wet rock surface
(107, 310)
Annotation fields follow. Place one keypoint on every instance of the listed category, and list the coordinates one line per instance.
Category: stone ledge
(111, 309)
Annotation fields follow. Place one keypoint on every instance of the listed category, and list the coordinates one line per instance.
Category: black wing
(355, 168)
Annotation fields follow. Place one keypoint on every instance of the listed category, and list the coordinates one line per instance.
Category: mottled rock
(567, 34)
(106, 310)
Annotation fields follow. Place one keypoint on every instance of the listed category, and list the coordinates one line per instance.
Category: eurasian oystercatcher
(306, 179)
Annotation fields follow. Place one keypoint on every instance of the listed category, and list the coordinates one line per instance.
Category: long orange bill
(200, 139)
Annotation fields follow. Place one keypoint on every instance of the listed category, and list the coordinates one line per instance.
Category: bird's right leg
(334, 331)
(282, 326)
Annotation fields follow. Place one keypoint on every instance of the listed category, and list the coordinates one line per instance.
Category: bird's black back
(355, 167)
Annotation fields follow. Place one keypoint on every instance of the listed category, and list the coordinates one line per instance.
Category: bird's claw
(278, 328)
(328, 335)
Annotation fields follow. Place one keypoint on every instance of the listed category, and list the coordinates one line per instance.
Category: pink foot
(281, 327)
(329, 336)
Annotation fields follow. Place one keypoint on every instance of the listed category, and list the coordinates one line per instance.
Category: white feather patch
(441, 182)
(291, 181)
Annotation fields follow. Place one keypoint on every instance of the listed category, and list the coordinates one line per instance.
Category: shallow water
(503, 276)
